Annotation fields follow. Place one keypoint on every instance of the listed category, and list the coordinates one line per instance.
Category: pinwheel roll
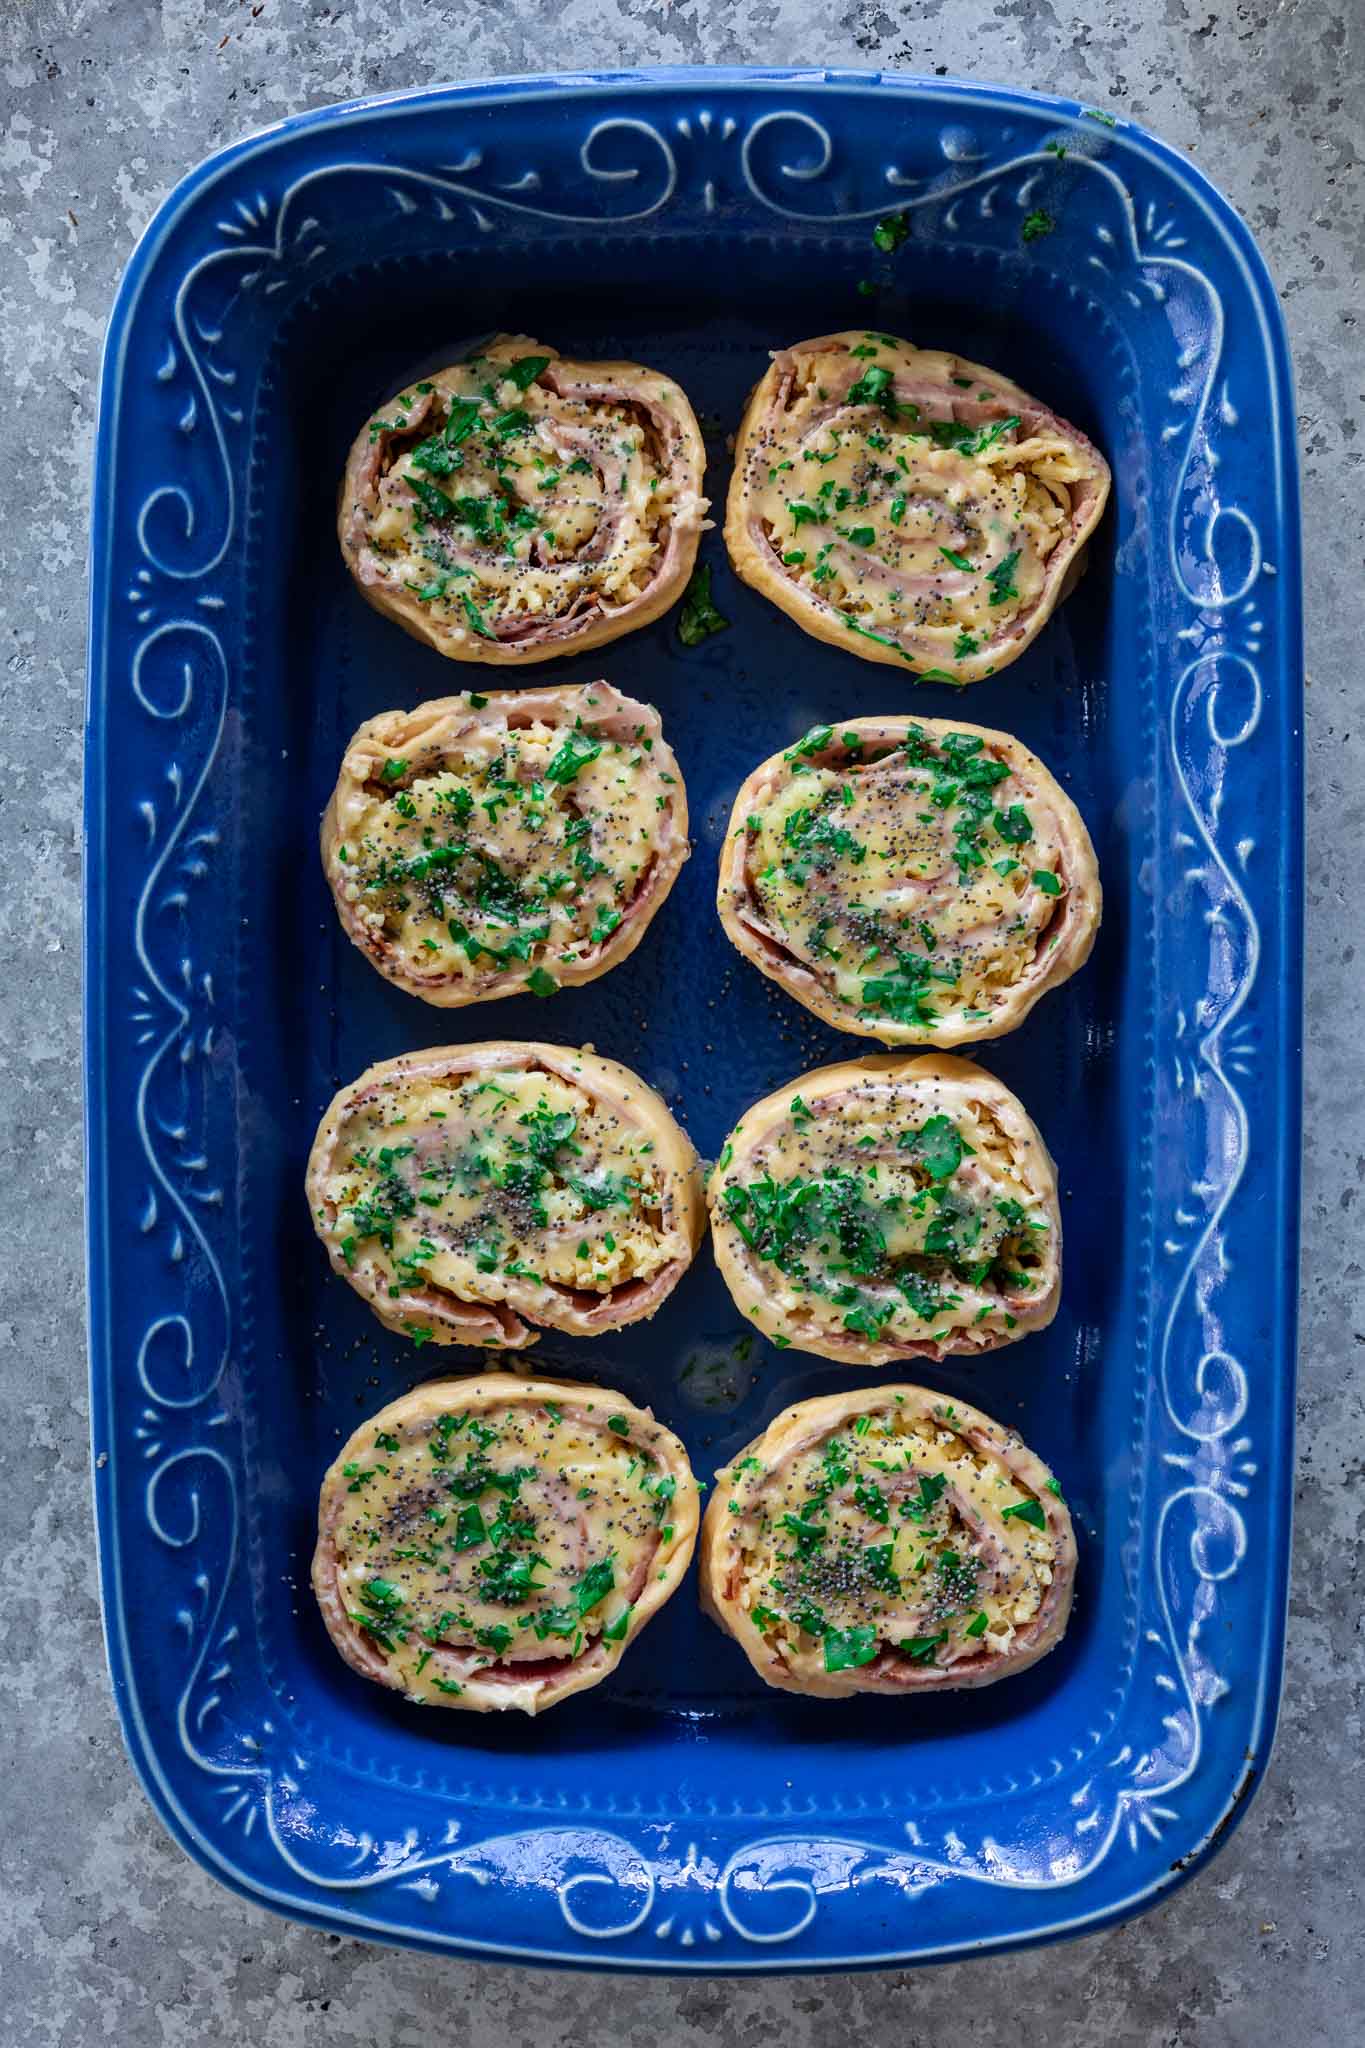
(477, 1194)
(479, 846)
(911, 506)
(886, 1208)
(517, 506)
(497, 1542)
(890, 1541)
(913, 881)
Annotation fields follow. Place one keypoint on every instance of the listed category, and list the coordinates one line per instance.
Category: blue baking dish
(682, 1817)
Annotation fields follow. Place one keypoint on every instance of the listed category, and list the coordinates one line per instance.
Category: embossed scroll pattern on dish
(756, 1890)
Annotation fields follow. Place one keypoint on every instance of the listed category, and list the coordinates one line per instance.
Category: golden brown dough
(479, 846)
(909, 505)
(919, 881)
(887, 1540)
(887, 1208)
(498, 1542)
(477, 1194)
(516, 506)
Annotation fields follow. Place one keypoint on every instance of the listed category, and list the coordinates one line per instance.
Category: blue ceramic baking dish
(682, 1817)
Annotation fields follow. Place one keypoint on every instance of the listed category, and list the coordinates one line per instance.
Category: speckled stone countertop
(106, 1930)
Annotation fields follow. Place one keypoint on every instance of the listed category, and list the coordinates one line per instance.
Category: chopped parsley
(524, 371)
(477, 621)
(891, 231)
(815, 742)
(932, 1487)
(1014, 825)
(1001, 579)
(576, 752)
(876, 387)
(920, 1649)
(937, 1146)
(1030, 1511)
(699, 619)
(847, 1648)
(508, 1576)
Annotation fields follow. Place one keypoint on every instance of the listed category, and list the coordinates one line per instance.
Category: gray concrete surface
(106, 1931)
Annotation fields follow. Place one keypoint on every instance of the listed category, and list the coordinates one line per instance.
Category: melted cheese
(867, 1217)
(926, 531)
(892, 1533)
(520, 1533)
(501, 504)
(495, 1185)
(516, 849)
(916, 884)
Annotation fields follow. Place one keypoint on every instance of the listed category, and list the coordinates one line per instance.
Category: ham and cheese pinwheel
(911, 506)
(479, 846)
(886, 1208)
(910, 880)
(497, 1542)
(517, 506)
(476, 1194)
(887, 1541)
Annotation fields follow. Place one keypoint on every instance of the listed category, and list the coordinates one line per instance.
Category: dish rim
(602, 86)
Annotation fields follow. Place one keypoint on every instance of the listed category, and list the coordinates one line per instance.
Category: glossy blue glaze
(682, 1817)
